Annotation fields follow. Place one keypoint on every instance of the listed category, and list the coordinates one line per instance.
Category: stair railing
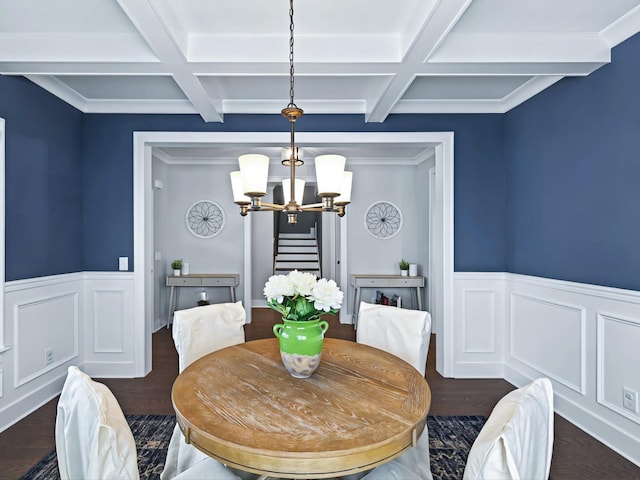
(319, 248)
(276, 241)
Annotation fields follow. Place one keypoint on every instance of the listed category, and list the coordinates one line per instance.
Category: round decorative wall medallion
(383, 220)
(205, 219)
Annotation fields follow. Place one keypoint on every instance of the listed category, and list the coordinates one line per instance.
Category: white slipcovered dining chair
(404, 333)
(197, 332)
(94, 441)
(517, 440)
(201, 330)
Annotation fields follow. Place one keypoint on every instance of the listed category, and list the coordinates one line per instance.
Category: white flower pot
(404, 273)
(176, 272)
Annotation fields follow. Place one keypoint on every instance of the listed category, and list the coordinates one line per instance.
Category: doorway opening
(440, 145)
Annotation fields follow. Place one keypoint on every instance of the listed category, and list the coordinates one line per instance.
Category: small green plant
(404, 265)
(177, 264)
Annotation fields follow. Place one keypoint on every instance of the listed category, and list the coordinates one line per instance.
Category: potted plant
(404, 267)
(301, 299)
(176, 265)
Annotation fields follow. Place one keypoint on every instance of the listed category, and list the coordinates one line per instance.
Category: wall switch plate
(123, 264)
(158, 256)
(630, 399)
(48, 356)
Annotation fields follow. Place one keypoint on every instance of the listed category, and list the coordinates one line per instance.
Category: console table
(388, 281)
(229, 280)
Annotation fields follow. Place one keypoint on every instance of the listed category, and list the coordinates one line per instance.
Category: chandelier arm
(271, 207)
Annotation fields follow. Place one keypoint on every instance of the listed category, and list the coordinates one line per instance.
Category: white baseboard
(619, 440)
(583, 337)
(110, 369)
(478, 370)
(23, 406)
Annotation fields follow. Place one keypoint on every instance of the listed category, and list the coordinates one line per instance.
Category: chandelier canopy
(249, 184)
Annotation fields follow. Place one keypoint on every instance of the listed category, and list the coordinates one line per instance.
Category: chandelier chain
(291, 78)
(254, 164)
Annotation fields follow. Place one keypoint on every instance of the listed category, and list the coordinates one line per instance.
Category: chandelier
(249, 184)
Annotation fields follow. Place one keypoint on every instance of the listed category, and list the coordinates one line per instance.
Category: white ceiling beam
(60, 90)
(528, 90)
(160, 40)
(623, 28)
(302, 69)
(74, 47)
(140, 106)
(522, 47)
(444, 16)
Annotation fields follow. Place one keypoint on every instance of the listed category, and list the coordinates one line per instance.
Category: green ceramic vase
(301, 345)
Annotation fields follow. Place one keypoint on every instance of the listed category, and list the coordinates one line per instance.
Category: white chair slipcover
(202, 330)
(94, 441)
(400, 331)
(412, 465)
(404, 333)
(517, 440)
(197, 332)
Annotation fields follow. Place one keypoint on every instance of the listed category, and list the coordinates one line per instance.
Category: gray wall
(407, 186)
(183, 186)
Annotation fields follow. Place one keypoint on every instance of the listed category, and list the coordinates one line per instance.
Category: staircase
(297, 251)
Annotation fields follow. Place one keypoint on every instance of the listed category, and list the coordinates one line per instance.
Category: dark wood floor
(576, 454)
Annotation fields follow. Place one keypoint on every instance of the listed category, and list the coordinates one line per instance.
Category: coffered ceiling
(369, 57)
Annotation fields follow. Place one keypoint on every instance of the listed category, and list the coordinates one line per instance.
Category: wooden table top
(361, 408)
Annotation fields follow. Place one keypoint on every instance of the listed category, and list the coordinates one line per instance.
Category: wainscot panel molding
(109, 320)
(618, 348)
(83, 319)
(560, 327)
(585, 338)
(479, 325)
(44, 331)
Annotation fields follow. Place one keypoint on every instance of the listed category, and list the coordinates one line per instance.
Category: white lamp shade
(329, 173)
(345, 189)
(255, 171)
(286, 189)
(238, 188)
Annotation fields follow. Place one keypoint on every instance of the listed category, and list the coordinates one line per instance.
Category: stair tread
(296, 235)
(297, 251)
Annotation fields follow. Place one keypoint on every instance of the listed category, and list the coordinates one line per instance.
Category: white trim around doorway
(143, 142)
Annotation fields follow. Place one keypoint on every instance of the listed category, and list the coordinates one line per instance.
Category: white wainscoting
(479, 325)
(39, 315)
(585, 338)
(109, 320)
(83, 319)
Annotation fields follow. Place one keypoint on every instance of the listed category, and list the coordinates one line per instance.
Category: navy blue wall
(69, 178)
(479, 176)
(551, 188)
(573, 177)
(43, 181)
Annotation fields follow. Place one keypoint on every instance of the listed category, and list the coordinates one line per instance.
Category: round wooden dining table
(363, 407)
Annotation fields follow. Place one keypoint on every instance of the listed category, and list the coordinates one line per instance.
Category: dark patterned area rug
(450, 439)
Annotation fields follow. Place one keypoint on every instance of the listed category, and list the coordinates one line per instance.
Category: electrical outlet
(630, 399)
(48, 356)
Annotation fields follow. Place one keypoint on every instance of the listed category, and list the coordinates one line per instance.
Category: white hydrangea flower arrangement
(300, 297)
